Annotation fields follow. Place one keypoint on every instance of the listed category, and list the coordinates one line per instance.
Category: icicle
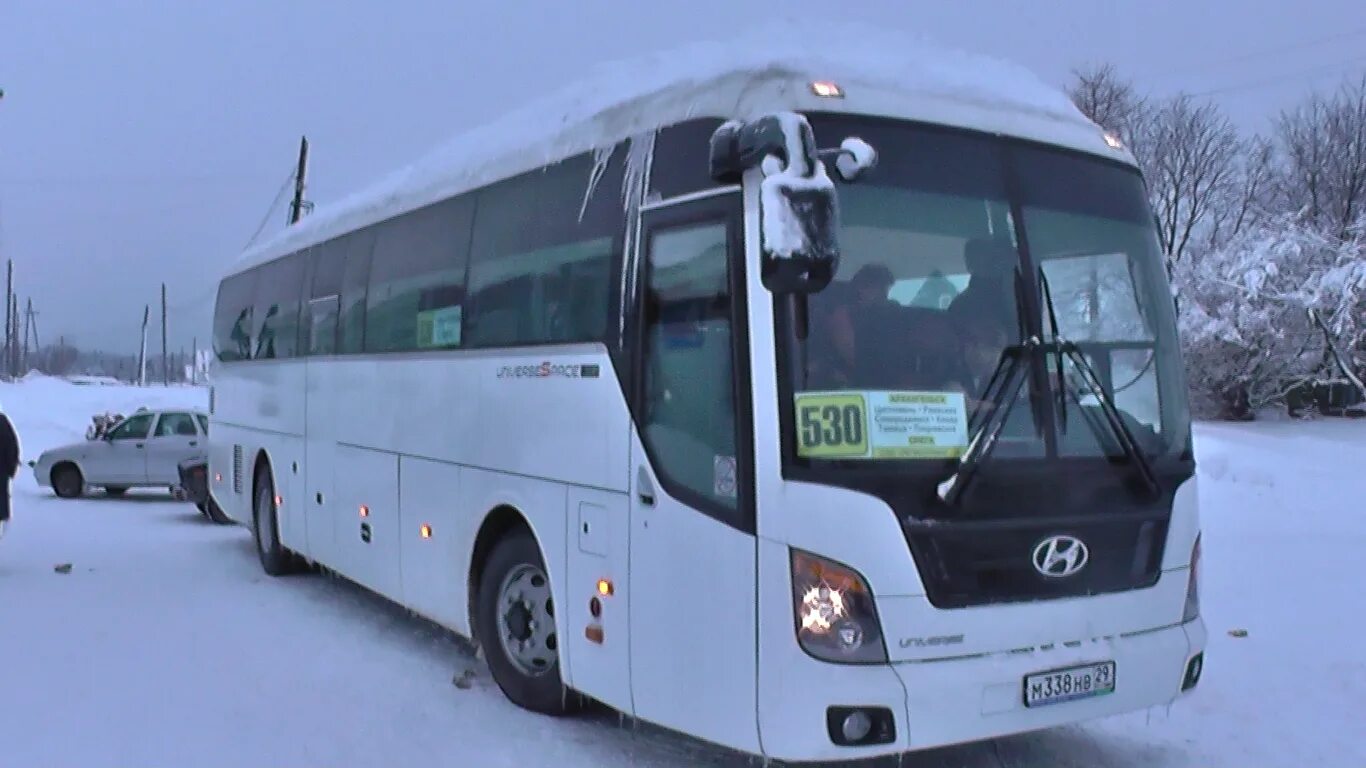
(602, 156)
(639, 153)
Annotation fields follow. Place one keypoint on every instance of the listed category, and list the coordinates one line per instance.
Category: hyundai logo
(1059, 556)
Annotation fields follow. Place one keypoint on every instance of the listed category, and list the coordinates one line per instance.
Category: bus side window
(688, 416)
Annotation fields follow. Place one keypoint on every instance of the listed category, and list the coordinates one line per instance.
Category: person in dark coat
(9, 465)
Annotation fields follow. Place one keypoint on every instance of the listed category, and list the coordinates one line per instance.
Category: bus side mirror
(854, 158)
(799, 209)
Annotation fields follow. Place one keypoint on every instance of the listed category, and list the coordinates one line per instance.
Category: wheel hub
(518, 620)
(526, 617)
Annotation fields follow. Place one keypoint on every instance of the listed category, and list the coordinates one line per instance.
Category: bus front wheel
(515, 626)
(275, 559)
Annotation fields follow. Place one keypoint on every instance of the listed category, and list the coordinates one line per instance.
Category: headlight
(836, 620)
(1193, 586)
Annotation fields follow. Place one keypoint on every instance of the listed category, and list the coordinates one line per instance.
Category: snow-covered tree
(1244, 311)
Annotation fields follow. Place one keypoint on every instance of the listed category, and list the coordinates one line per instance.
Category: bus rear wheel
(515, 626)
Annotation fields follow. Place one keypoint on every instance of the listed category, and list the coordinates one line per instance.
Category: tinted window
(681, 158)
(541, 268)
(175, 425)
(1093, 188)
(417, 279)
(318, 325)
(689, 389)
(321, 331)
(277, 308)
(134, 428)
(203, 423)
(232, 317)
(355, 278)
(329, 262)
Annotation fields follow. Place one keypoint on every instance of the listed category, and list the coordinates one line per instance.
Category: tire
(275, 559)
(215, 513)
(515, 626)
(115, 490)
(67, 481)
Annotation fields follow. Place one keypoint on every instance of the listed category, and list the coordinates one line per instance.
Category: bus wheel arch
(499, 523)
(276, 560)
(260, 468)
(508, 575)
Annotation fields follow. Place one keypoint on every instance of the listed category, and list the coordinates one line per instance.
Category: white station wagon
(142, 451)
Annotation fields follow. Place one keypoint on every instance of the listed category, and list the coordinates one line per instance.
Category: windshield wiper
(1003, 389)
(1125, 436)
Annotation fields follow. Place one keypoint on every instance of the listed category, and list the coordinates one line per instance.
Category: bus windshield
(955, 250)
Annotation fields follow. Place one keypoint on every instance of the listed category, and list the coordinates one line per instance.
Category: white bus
(810, 458)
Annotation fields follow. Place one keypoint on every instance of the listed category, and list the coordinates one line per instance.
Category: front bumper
(42, 472)
(939, 703)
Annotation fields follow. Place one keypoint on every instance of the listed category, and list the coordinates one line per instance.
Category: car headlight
(1193, 586)
(835, 616)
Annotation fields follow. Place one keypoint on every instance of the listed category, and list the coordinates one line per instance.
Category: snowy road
(166, 645)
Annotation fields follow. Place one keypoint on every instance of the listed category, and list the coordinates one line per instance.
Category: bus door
(692, 545)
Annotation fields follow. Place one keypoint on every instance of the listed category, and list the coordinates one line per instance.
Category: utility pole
(165, 363)
(194, 362)
(296, 209)
(142, 354)
(14, 342)
(9, 331)
(28, 328)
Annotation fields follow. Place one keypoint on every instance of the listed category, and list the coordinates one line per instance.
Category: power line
(1274, 79)
(209, 292)
(284, 187)
(1264, 52)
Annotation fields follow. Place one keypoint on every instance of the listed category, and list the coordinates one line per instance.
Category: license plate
(1069, 684)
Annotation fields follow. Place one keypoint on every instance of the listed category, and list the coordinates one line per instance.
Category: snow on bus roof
(880, 73)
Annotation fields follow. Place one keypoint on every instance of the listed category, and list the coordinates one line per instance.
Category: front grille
(980, 551)
(237, 469)
(965, 564)
(983, 551)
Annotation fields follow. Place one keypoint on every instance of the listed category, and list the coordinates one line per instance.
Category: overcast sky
(144, 141)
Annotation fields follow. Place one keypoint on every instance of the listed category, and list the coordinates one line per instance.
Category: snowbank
(48, 412)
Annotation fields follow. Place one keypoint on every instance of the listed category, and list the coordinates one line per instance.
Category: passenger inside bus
(840, 315)
(862, 338)
(987, 307)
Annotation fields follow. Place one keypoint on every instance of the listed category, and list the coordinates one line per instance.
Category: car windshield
(954, 249)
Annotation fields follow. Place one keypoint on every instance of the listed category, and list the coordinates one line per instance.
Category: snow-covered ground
(165, 644)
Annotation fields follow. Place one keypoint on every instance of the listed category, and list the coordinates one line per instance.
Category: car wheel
(516, 627)
(115, 490)
(275, 559)
(67, 481)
